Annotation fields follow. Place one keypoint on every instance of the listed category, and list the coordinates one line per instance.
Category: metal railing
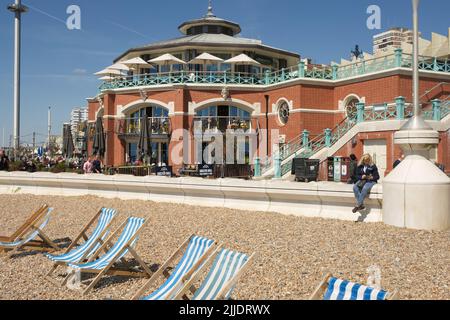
(336, 72)
(182, 77)
(133, 126)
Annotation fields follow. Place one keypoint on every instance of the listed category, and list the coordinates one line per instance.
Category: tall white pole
(17, 9)
(416, 122)
(416, 58)
(49, 122)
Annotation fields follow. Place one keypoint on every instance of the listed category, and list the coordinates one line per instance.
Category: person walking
(368, 176)
(87, 166)
(4, 161)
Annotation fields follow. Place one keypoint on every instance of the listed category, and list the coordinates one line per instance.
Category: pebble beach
(292, 253)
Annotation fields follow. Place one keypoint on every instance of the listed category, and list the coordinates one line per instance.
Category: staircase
(297, 148)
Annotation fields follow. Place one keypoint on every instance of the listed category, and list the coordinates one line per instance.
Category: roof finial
(210, 13)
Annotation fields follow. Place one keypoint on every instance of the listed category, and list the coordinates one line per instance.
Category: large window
(152, 112)
(225, 111)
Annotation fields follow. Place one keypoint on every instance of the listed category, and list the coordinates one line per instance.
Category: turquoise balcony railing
(337, 72)
(182, 77)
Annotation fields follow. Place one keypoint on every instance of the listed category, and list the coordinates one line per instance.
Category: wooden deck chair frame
(189, 286)
(83, 236)
(25, 227)
(43, 245)
(109, 269)
(164, 270)
(323, 286)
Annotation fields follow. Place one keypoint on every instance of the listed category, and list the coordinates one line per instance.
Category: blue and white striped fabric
(32, 235)
(132, 226)
(75, 255)
(225, 267)
(344, 290)
(196, 249)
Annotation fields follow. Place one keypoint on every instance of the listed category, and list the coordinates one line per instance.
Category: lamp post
(416, 122)
(416, 58)
(17, 8)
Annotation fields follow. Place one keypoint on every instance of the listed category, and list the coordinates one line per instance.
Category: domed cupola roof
(210, 24)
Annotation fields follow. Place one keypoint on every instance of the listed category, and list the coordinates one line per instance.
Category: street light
(17, 8)
(416, 122)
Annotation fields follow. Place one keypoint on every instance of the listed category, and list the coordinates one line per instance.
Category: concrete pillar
(398, 57)
(360, 107)
(257, 168)
(400, 106)
(328, 136)
(277, 166)
(305, 138)
(335, 71)
(267, 76)
(301, 69)
(436, 110)
(435, 64)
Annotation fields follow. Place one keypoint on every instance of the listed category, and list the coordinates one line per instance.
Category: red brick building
(279, 92)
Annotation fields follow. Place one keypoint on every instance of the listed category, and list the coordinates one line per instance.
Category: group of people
(33, 163)
(93, 165)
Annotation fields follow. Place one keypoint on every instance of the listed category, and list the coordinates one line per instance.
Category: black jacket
(4, 163)
(353, 169)
(371, 171)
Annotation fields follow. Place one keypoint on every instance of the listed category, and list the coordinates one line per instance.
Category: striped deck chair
(197, 249)
(222, 278)
(332, 288)
(73, 254)
(28, 241)
(105, 264)
(26, 227)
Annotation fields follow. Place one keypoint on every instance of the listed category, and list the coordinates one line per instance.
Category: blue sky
(57, 64)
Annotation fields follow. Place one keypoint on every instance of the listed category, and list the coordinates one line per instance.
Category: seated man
(368, 176)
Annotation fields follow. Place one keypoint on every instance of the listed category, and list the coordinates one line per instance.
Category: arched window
(351, 108)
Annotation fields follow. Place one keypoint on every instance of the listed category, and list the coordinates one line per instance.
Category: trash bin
(345, 169)
(337, 169)
(306, 170)
(330, 163)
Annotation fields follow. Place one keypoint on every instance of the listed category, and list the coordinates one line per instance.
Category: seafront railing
(301, 71)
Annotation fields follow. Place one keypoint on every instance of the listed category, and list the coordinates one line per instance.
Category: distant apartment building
(393, 38)
(77, 117)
